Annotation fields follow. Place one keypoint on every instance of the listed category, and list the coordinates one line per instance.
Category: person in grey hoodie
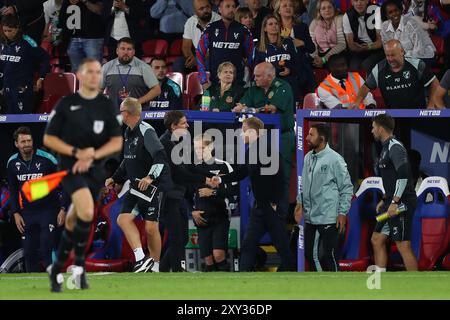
(324, 199)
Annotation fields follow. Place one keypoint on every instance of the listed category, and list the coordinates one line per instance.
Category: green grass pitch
(205, 286)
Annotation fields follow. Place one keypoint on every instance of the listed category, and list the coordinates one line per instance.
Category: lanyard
(124, 82)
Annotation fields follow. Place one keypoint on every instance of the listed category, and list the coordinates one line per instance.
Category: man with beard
(193, 29)
(127, 76)
(324, 200)
(37, 220)
(224, 40)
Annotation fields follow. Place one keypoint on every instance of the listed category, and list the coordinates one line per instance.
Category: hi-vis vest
(348, 96)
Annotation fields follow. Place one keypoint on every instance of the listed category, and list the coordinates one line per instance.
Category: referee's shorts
(149, 211)
(74, 182)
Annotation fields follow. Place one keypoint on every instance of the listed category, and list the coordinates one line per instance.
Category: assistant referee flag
(36, 189)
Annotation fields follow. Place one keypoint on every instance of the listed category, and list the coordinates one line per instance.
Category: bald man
(402, 81)
(270, 94)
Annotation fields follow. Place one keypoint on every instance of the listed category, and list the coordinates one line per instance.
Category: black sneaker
(143, 265)
(56, 280)
(79, 278)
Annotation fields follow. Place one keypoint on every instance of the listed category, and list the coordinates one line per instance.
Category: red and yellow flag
(39, 188)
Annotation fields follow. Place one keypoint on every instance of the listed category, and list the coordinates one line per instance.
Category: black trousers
(264, 219)
(39, 238)
(176, 223)
(321, 242)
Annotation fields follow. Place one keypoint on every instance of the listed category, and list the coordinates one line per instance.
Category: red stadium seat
(310, 101)
(193, 89)
(56, 86)
(175, 48)
(320, 75)
(440, 51)
(151, 48)
(177, 77)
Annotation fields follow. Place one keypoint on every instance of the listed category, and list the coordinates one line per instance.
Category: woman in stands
(291, 26)
(327, 33)
(415, 41)
(224, 95)
(280, 52)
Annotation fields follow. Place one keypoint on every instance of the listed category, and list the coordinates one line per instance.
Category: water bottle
(206, 101)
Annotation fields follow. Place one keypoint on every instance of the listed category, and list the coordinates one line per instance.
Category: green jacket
(280, 95)
(326, 188)
(227, 101)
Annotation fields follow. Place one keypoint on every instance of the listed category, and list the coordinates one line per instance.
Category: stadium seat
(193, 89)
(56, 86)
(114, 254)
(440, 50)
(175, 48)
(177, 77)
(446, 262)
(311, 101)
(156, 47)
(356, 251)
(320, 74)
(431, 223)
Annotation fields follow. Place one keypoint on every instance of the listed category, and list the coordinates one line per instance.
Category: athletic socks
(155, 267)
(80, 236)
(65, 246)
(138, 254)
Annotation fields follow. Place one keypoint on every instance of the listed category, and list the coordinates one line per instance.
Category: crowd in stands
(193, 38)
(233, 56)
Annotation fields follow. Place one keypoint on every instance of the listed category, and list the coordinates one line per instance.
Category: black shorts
(149, 211)
(399, 227)
(214, 236)
(75, 182)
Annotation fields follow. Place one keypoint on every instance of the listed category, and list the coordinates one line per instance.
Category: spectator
(418, 10)
(362, 24)
(144, 160)
(442, 96)
(244, 16)
(281, 52)
(84, 29)
(225, 94)
(259, 12)
(123, 20)
(267, 213)
(170, 97)
(273, 95)
(30, 14)
(402, 81)
(52, 33)
(212, 207)
(292, 27)
(37, 220)
(193, 30)
(324, 200)
(415, 41)
(174, 213)
(128, 76)
(310, 11)
(173, 15)
(19, 56)
(225, 40)
(326, 33)
(340, 87)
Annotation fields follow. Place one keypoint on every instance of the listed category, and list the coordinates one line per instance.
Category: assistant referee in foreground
(83, 129)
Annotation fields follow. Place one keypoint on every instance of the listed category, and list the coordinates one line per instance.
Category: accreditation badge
(270, 95)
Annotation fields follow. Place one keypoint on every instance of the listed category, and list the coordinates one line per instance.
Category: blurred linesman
(37, 220)
(83, 129)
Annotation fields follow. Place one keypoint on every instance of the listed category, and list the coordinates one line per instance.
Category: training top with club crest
(83, 123)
